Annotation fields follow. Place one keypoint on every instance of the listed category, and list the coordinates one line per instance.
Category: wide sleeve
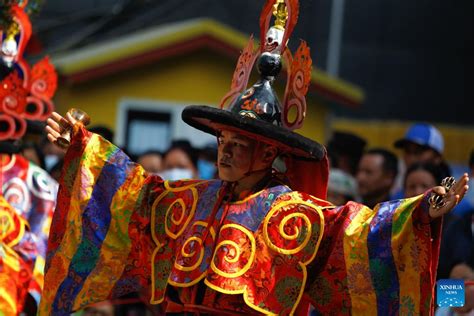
(100, 243)
(381, 261)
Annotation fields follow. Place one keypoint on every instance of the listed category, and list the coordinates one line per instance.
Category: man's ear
(270, 154)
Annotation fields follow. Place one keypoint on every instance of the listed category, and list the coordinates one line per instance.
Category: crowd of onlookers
(367, 175)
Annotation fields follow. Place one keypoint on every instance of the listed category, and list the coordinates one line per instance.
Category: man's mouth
(224, 164)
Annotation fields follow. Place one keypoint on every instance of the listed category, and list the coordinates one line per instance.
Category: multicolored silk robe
(118, 230)
(32, 193)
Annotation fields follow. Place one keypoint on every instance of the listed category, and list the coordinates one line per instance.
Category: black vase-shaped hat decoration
(256, 111)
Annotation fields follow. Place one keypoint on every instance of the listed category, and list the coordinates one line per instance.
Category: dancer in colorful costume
(257, 241)
(25, 95)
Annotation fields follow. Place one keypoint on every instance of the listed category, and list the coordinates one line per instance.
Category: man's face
(413, 153)
(418, 182)
(151, 163)
(235, 153)
(371, 178)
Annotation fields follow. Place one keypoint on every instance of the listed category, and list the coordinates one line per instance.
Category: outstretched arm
(382, 260)
(98, 240)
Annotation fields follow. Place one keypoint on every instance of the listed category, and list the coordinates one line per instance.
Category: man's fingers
(462, 181)
(463, 192)
(62, 122)
(55, 134)
(70, 118)
(56, 116)
(51, 138)
(52, 123)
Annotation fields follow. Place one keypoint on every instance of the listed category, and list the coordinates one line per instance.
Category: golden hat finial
(280, 12)
(12, 31)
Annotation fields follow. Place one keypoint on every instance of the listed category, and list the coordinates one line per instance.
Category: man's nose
(227, 150)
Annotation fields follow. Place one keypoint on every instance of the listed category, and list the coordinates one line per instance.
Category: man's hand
(57, 125)
(450, 198)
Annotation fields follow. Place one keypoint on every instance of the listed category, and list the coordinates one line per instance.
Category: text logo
(450, 293)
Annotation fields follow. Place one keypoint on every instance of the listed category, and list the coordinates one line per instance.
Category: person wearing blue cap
(422, 143)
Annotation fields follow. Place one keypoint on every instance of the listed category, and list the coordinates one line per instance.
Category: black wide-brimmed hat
(257, 113)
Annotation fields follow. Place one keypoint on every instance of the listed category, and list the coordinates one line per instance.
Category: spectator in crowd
(376, 175)
(151, 161)
(105, 308)
(420, 177)
(52, 155)
(422, 143)
(466, 206)
(180, 161)
(344, 150)
(342, 187)
(207, 162)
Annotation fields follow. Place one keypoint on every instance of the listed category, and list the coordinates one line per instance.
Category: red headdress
(25, 93)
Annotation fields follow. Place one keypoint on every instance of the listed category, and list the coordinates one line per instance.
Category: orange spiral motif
(44, 79)
(13, 104)
(297, 86)
(241, 74)
(12, 95)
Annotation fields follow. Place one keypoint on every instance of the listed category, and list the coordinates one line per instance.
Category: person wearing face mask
(180, 161)
(207, 162)
(256, 240)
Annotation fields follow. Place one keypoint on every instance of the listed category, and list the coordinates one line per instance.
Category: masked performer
(25, 96)
(256, 241)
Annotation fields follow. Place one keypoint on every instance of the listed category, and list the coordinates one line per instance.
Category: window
(151, 125)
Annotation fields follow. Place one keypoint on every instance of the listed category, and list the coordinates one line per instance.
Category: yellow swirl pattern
(180, 202)
(237, 256)
(285, 221)
(186, 213)
(6, 224)
(191, 254)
